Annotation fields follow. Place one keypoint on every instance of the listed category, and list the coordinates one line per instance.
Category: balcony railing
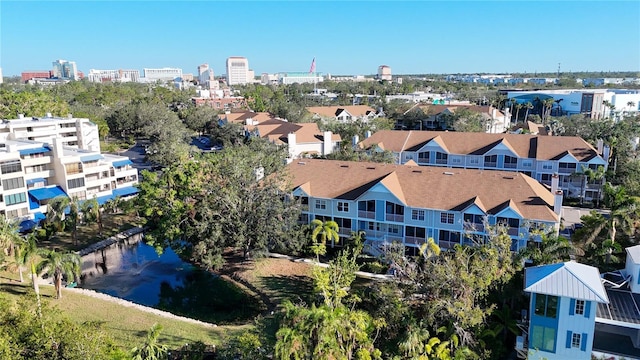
(473, 227)
(367, 214)
(415, 240)
(513, 231)
(566, 170)
(441, 161)
(490, 164)
(510, 166)
(423, 161)
(447, 244)
(395, 217)
(345, 231)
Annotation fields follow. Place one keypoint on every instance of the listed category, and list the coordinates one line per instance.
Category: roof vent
(417, 171)
(448, 173)
(302, 163)
(371, 167)
(508, 177)
(344, 166)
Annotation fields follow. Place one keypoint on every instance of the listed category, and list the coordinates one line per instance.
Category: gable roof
(634, 253)
(426, 187)
(241, 117)
(569, 279)
(277, 131)
(333, 111)
(466, 143)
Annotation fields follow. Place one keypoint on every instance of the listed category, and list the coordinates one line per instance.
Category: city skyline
(344, 37)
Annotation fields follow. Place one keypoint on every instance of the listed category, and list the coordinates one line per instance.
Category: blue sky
(347, 37)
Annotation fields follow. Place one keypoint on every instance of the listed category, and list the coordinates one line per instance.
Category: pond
(132, 270)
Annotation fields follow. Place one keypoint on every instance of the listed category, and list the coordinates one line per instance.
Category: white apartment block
(75, 132)
(384, 73)
(114, 75)
(33, 172)
(538, 156)
(238, 71)
(163, 74)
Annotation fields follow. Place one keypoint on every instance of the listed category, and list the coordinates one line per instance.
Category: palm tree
(550, 250)
(92, 213)
(54, 221)
(547, 104)
(73, 218)
(518, 107)
(512, 103)
(527, 106)
(151, 350)
(328, 230)
(59, 264)
(625, 211)
(9, 236)
(429, 249)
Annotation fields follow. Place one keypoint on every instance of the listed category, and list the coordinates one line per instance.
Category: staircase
(522, 341)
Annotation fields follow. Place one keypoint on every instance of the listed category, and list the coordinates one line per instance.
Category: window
(35, 168)
(446, 218)
(491, 160)
(546, 305)
(75, 183)
(417, 215)
(369, 205)
(14, 183)
(547, 166)
(510, 222)
(575, 340)
(423, 157)
(15, 198)
(456, 160)
(12, 214)
(473, 219)
(579, 310)
(543, 338)
(441, 158)
(80, 195)
(396, 209)
(343, 206)
(9, 167)
(416, 232)
(394, 229)
(321, 204)
(474, 161)
(527, 163)
(74, 168)
(510, 161)
(567, 167)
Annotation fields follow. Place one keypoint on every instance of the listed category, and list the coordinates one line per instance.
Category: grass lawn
(126, 326)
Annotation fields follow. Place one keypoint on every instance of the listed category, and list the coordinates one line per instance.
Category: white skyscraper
(237, 70)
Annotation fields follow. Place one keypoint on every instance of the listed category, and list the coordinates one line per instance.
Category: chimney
(367, 134)
(494, 112)
(291, 141)
(606, 152)
(70, 116)
(259, 171)
(328, 143)
(49, 115)
(557, 202)
(554, 183)
(600, 146)
(20, 116)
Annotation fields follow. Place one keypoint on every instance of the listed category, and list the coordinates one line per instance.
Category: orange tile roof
(524, 145)
(277, 131)
(240, 117)
(426, 187)
(332, 111)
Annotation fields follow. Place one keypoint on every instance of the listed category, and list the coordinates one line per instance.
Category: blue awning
(121, 163)
(33, 203)
(36, 180)
(103, 199)
(39, 150)
(47, 193)
(88, 158)
(130, 190)
(27, 225)
(39, 216)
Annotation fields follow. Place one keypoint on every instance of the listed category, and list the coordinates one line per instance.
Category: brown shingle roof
(463, 143)
(277, 131)
(426, 187)
(240, 117)
(332, 111)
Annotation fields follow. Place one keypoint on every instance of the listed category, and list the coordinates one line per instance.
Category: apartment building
(343, 114)
(302, 140)
(410, 204)
(538, 156)
(74, 132)
(114, 75)
(63, 69)
(34, 172)
(161, 74)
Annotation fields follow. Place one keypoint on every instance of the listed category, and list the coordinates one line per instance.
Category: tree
(518, 108)
(54, 220)
(58, 265)
(9, 237)
(528, 105)
(92, 213)
(550, 250)
(323, 232)
(200, 117)
(624, 212)
(151, 349)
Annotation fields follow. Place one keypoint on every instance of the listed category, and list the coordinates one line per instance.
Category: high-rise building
(206, 77)
(114, 75)
(237, 70)
(63, 69)
(384, 72)
(1, 80)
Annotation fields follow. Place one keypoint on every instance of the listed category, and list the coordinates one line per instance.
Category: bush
(375, 267)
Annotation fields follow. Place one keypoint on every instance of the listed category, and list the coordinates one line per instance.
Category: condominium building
(343, 114)
(63, 69)
(114, 75)
(206, 77)
(74, 132)
(384, 73)
(163, 74)
(286, 78)
(33, 172)
(538, 156)
(237, 70)
(410, 204)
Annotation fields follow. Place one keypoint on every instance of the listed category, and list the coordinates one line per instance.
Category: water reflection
(133, 271)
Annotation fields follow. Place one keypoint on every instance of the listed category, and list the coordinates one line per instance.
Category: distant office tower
(384, 72)
(114, 75)
(1, 80)
(163, 74)
(63, 69)
(36, 74)
(206, 77)
(237, 70)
